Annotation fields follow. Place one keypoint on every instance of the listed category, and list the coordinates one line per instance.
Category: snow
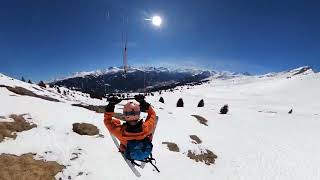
(257, 139)
(113, 70)
(95, 73)
(71, 97)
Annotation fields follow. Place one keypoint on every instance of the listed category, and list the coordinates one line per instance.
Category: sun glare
(156, 20)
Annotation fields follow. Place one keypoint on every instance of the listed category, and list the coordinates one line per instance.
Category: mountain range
(113, 79)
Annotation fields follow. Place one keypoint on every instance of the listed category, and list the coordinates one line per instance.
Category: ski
(143, 163)
(131, 166)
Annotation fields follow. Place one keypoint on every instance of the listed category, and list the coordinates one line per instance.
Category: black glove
(139, 97)
(112, 102)
(144, 106)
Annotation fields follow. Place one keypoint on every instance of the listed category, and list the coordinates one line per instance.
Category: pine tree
(22, 79)
(201, 103)
(161, 100)
(58, 90)
(180, 103)
(30, 82)
(42, 84)
(224, 109)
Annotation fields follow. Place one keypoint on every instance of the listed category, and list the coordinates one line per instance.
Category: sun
(156, 20)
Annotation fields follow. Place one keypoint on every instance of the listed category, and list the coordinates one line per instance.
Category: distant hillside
(114, 80)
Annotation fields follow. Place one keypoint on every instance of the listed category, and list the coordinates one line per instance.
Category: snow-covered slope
(256, 140)
(65, 95)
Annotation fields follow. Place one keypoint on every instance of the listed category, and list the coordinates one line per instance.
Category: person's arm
(150, 123)
(113, 125)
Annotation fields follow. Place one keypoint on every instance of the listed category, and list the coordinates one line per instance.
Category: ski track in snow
(257, 139)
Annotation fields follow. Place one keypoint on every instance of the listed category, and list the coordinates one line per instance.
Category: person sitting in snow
(134, 128)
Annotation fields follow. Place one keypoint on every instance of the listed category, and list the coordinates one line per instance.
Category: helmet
(131, 111)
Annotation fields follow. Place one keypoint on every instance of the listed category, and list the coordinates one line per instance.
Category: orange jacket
(118, 130)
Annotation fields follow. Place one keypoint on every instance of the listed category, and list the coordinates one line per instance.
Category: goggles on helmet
(131, 113)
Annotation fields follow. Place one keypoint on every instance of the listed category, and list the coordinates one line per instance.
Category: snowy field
(256, 140)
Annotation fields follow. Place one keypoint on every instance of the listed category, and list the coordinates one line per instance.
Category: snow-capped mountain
(256, 139)
(113, 79)
(304, 70)
(112, 70)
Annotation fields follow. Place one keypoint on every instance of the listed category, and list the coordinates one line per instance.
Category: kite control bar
(128, 98)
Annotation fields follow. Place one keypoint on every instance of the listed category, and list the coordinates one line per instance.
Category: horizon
(77, 74)
(170, 68)
(44, 40)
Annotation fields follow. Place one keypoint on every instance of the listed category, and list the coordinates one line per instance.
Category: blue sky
(44, 39)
